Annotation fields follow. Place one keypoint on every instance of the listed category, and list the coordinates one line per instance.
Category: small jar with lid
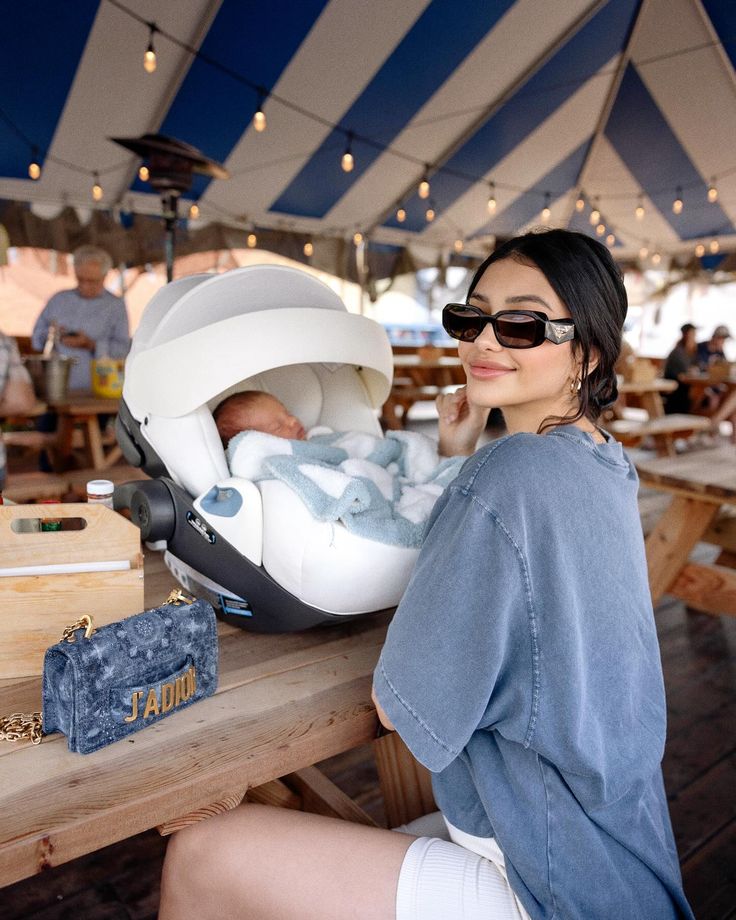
(100, 492)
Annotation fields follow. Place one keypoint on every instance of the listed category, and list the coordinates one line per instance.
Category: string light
(580, 204)
(34, 170)
(149, 58)
(595, 215)
(546, 212)
(401, 215)
(600, 229)
(610, 239)
(357, 238)
(712, 192)
(491, 197)
(643, 252)
(656, 258)
(714, 246)
(144, 174)
(97, 192)
(252, 240)
(639, 212)
(430, 214)
(423, 190)
(194, 212)
(259, 117)
(700, 250)
(348, 160)
(458, 245)
(308, 249)
(677, 203)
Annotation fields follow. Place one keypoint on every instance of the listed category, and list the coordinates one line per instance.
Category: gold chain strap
(20, 727)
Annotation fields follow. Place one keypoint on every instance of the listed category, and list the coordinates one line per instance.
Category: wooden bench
(663, 431)
(37, 486)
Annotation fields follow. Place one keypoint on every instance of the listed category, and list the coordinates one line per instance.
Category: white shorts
(441, 880)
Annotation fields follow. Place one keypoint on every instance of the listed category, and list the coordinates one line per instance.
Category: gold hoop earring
(575, 386)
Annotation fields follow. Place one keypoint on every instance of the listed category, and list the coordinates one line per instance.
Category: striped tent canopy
(615, 117)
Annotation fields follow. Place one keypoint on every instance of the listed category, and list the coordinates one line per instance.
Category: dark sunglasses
(512, 328)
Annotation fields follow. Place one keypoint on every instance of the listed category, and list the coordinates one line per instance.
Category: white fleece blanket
(381, 488)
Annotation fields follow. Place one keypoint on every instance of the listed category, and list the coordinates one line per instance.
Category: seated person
(681, 360)
(381, 488)
(712, 350)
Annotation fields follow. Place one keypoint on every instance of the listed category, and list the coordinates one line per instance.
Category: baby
(253, 410)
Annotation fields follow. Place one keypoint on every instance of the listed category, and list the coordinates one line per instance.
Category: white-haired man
(91, 322)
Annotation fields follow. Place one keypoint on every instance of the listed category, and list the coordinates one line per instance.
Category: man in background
(712, 350)
(89, 321)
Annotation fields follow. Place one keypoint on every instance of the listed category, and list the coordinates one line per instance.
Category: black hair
(583, 274)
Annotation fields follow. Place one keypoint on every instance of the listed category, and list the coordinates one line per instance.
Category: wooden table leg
(94, 441)
(670, 543)
(405, 784)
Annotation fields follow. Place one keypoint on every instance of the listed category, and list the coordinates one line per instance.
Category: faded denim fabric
(522, 668)
(129, 674)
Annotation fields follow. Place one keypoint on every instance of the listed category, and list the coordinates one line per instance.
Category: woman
(681, 360)
(522, 664)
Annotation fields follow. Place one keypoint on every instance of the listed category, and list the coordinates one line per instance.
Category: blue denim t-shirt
(522, 668)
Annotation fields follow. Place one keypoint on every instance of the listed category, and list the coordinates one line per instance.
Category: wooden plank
(322, 797)
(275, 793)
(722, 531)
(701, 474)
(708, 588)
(709, 877)
(406, 785)
(208, 811)
(671, 541)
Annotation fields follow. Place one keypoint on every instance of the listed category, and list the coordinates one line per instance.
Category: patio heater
(171, 163)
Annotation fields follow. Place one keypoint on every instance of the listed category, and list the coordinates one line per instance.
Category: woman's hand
(461, 423)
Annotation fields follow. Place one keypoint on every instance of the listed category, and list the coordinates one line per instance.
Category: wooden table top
(418, 361)
(707, 474)
(705, 379)
(658, 385)
(87, 404)
(284, 702)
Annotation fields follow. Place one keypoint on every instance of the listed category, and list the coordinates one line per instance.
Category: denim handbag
(103, 686)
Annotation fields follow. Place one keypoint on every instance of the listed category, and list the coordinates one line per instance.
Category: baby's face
(271, 417)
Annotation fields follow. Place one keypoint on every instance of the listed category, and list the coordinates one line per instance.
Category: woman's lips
(489, 372)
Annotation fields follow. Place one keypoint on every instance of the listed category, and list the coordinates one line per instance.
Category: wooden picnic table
(284, 702)
(703, 509)
(416, 378)
(648, 393)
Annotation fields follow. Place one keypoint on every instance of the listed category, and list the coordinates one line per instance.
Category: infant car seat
(253, 551)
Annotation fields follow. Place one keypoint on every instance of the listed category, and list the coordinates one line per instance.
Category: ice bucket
(50, 376)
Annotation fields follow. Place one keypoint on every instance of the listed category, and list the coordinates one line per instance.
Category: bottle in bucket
(100, 492)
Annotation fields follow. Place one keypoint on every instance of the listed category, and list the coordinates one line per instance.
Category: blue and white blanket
(381, 488)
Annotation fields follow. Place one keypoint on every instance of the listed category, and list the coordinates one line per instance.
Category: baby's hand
(460, 424)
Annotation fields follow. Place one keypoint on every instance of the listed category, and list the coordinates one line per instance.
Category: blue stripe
(656, 159)
(526, 207)
(722, 15)
(252, 38)
(581, 58)
(440, 40)
(40, 48)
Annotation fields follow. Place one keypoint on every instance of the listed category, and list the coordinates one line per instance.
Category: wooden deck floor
(699, 661)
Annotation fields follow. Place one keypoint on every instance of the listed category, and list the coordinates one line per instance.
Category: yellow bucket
(107, 377)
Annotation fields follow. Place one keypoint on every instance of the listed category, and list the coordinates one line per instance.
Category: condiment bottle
(99, 492)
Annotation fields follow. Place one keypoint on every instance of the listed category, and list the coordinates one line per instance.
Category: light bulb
(600, 229)
(401, 215)
(308, 249)
(656, 258)
(149, 58)
(34, 170)
(643, 252)
(357, 237)
(714, 246)
(430, 215)
(259, 120)
(546, 212)
(639, 212)
(458, 245)
(252, 240)
(610, 239)
(712, 193)
(677, 203)
(580, 204)
(97, 192)
(492, 198)
(347, 162)
(700, 250)
(143, 174)
(595, 216)
(423, 190)
(194, 211)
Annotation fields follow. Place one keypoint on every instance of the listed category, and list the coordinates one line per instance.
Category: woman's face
(527, 384)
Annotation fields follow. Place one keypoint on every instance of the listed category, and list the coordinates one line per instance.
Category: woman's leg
(261, 862)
